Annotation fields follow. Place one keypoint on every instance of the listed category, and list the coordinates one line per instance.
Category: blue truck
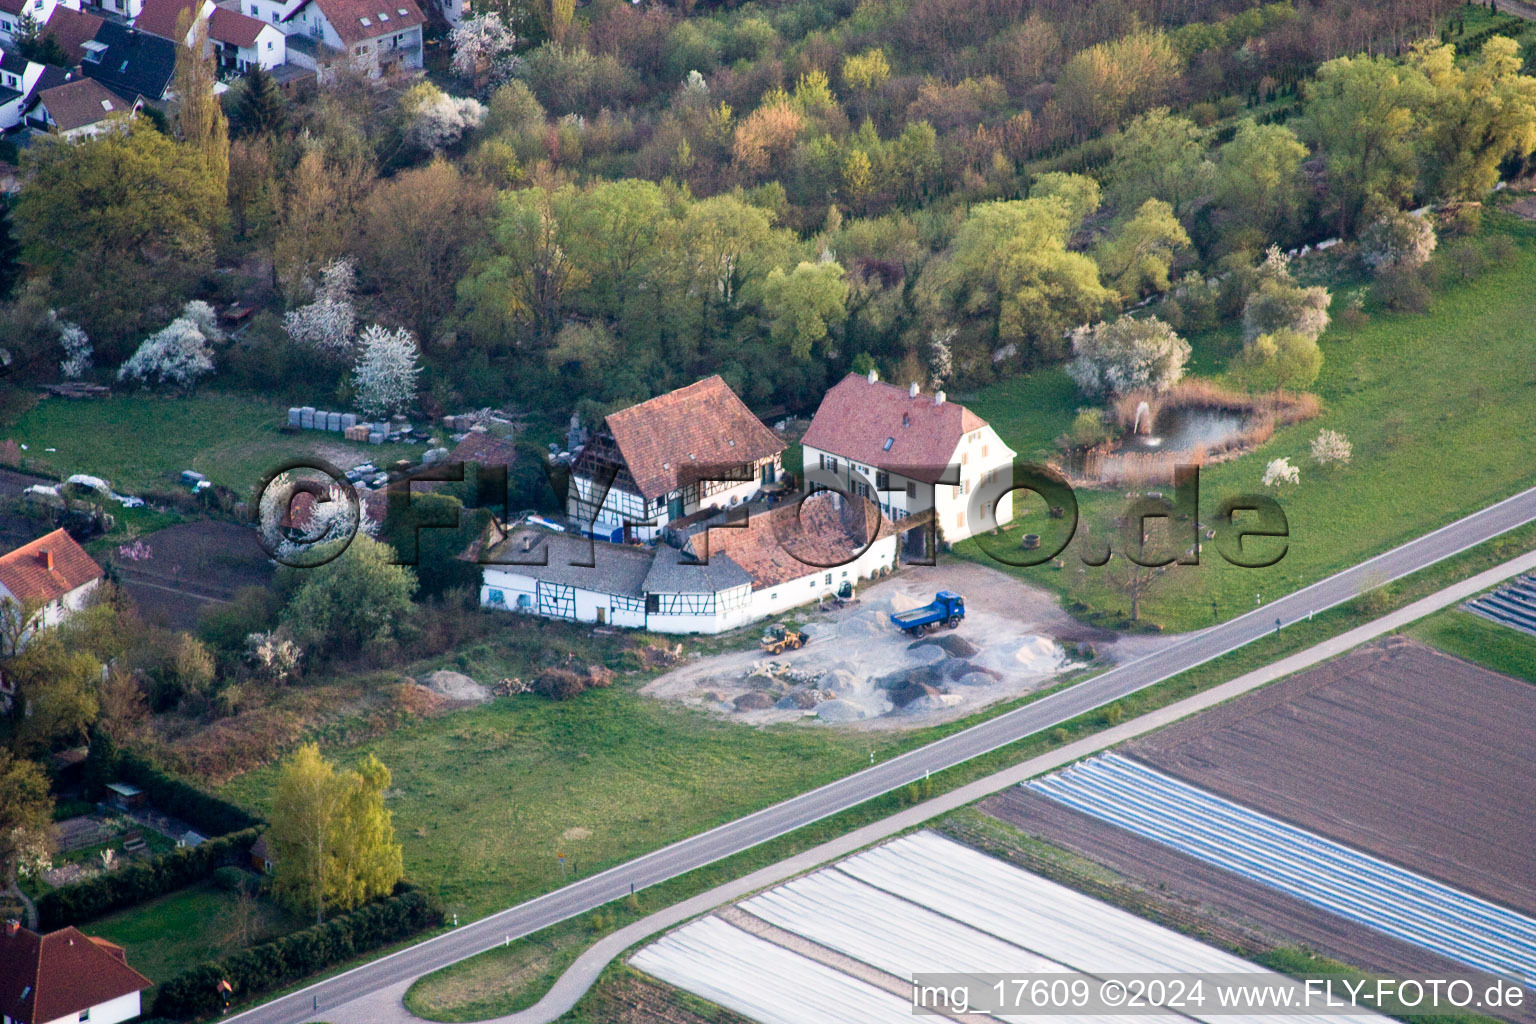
(946, 609)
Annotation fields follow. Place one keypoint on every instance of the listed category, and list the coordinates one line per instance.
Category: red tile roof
(47, 569)
(72, 29)
(382, 17)
(45, 977)
(796, 539)
(234, 28)
(858, 417)
(81, 102)
(483, 449)
(159, 17)
(671, 437)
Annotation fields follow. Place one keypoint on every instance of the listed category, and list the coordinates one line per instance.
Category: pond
(1186, 429)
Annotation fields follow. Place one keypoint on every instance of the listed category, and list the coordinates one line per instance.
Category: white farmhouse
(50, 577)
(917, 455)
(65, 977)
(730, 571)
(667, 458)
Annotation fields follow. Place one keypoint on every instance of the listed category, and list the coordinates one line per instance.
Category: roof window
(364, 22)
(888, 442)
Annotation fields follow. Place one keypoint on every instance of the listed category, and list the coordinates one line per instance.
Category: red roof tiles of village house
(81, 102)
(234, 28)
(71, 29)
(161, 17)
(45, 977)
(358, 21)
(796, 538)
(858, 417)
(47, 569)
(674, 435)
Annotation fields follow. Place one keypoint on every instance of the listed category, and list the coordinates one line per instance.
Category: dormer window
(906, 420)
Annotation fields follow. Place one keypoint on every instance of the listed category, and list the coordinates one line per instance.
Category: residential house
(669, 457)
(80, 108)
(71, 29)
(162, 17)
(131, 63)
(376, 36)
(263, 855)
(65, 977)
(243, 42)
(735, 568)
(20, 82)
(915, 454)
(125, 9)
(14, 13)
(52, 574)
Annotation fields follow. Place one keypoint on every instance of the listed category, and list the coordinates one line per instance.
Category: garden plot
(859, 668)
(918, 905)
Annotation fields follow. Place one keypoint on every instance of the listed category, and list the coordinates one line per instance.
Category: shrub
(1402, 290)
(1395, 242)
(193, 992)
(208, 814)
(1130, 353)
(237, 880)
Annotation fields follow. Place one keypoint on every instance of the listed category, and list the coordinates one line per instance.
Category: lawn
(140, 442)
(1480, 641)
(1440, 408)
(166, 936)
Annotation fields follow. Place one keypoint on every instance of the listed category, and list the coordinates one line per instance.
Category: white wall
(111, 1012)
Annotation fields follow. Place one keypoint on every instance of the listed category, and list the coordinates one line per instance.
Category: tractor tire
(796, 644)
(954, 622)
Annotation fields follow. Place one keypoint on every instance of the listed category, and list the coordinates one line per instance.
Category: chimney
(12, 927)
(938, 398)
(527, 542)
(874, 375)
(48, 559)
(912, 390)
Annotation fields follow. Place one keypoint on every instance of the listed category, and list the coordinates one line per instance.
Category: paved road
(705, 848)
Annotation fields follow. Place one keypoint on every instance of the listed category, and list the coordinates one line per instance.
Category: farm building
(728, 571)
(664, 459)
(52, 575)
(911, 452)
(65, 976)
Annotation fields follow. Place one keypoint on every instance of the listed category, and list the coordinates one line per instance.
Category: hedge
(194, 992)
(208, 814)
(134, 883)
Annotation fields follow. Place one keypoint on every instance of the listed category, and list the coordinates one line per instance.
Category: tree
(56, 693)
(435, 120)
(418, 232)
(334, 839)
(864, 73)
(386, 370)
(1106, 82)
(318, 214)
(329, 323)
(1360, 114)
(526, 279)
(1258, 182)
(1130, 353)
(358, 598)
(1132, 580)
(1278, 305)
(76, 345)
(120, 222)
(803, 305)
(259, 106)
(1138, 257)
(199, 114)
(1079, 192)
(1396, 241)
(484, 49)
(177, 354)
(1330, 447)
(1280, 471)
(26, 812)
(1481, 112)
(1281, 359)
(1159, 156)
(274, 654)
(555, 16)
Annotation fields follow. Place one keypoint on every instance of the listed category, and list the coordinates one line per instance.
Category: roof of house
(134, 63)
(160, 17)
(13, 61)
(264, 850)
(673, 439)
(567, 560)
(679, 572)
(796, 539)
(357, 21)
(47, 568)
(234, 28)
(71, 29)
(13, 6)
(45, 977)
(483, 449)
(81, 102)
(879, 424)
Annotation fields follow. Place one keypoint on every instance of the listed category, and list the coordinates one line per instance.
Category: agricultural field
(1404, 388)
(1475, 639)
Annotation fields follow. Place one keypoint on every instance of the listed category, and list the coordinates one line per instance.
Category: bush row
(133, 883)
(194, 992)
(208, 814)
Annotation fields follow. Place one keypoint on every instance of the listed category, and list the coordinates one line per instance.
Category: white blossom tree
(1397, 241)
(435, 120)
(483, 49)
(179, 353)
(330, 322)
(386, 370)
(276, 655)
(1280, 471)
(941, 357)
(1130, 353)
(76, 345)
(1330, 447)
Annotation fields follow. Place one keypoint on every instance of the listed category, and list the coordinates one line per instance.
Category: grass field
(141, 442)
(1480, 641)
(166, 936)
(1438, 407)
